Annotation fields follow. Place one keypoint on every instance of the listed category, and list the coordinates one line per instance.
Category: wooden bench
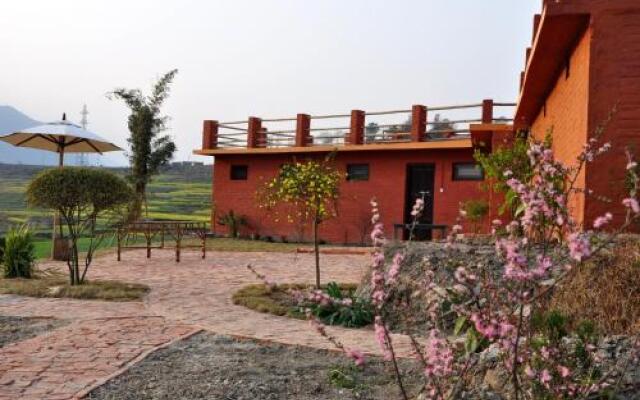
(420, 227)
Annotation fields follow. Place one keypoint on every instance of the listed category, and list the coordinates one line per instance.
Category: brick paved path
(186, 296)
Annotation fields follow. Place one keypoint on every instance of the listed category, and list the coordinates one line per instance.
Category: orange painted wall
(565, 114)
(387, 180)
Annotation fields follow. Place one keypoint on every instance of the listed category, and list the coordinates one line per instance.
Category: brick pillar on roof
(356, 128)
(418, 123)
(303, 130)
(253, 132)
(209, 135)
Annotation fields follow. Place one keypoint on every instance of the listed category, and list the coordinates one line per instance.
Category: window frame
(242, 177)
(457, 178)
(362, 179)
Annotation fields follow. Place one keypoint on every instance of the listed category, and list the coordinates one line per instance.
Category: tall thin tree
(149, 150)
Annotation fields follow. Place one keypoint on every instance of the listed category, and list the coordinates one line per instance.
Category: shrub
(81, 195)
(19, 253)
(476, 211)
(337, 306)
(233, 223)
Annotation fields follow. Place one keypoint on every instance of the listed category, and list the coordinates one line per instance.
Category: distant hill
(12, 120)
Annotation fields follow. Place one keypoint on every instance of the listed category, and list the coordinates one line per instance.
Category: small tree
(149, 150)
(312, 188)
(81, 196)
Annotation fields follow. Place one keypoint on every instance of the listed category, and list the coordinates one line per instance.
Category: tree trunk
(316, 251)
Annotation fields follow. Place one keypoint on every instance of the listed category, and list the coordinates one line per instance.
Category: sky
(268, 58)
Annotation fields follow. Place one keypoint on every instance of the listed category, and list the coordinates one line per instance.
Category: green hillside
(179, 192)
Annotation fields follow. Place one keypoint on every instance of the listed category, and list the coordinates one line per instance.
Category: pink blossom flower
(563, 371)
(357, 356)
(381, 337)
(438, 356)
(395, 268)
(579, 246)
(545, 377)
(632, 204)
(602, 221)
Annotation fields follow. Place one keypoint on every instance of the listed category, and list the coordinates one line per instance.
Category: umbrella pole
(56, 217)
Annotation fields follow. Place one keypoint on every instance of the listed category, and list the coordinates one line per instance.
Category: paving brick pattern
(190, 295)
(62, 363)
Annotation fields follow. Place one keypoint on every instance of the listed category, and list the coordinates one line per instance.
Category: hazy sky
(269, 58)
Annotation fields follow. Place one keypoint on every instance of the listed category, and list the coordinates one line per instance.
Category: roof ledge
(557, 35)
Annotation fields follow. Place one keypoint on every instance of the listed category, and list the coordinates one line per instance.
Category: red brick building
(583, 67)
(584, 61)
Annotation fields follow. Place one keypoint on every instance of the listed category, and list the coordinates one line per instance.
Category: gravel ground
(209, 366)
(16, 329)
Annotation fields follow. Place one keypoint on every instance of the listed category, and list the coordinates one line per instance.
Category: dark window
(467, 172)
(239, 172)
(357, 172)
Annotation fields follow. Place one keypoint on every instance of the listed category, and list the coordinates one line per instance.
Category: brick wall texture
(387, 182)
(603, 81)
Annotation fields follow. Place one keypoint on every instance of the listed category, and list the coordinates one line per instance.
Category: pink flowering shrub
(502, 312)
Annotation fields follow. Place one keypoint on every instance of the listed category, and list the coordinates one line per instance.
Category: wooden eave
(557, 36)
(464, 143)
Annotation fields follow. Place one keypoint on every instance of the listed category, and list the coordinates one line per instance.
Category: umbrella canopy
(60, 137)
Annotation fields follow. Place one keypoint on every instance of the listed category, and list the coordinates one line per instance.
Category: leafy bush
(337, 306)
(233, 223)
(19, 253)
(513, 159)
(476, 211)
(80, 195)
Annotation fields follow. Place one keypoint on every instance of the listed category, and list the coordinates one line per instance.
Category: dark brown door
(420, 179)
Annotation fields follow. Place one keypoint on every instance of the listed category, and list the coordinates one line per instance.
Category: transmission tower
(84, 122)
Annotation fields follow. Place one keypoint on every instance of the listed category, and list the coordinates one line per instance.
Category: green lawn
(177, 193)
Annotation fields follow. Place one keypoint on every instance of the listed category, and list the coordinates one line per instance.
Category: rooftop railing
(357, 128)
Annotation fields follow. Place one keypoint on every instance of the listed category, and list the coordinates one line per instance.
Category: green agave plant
(18, 255)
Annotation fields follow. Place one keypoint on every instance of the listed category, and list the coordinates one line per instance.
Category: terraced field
(178, 193)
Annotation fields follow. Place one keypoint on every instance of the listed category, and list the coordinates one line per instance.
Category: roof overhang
(558, 33)
(463, 143)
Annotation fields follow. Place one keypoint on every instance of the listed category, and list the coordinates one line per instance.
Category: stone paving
(194, 294)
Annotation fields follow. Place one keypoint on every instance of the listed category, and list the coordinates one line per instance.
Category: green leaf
(459, 324)
(471, 342)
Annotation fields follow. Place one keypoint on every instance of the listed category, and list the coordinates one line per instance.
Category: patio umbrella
(60, 137)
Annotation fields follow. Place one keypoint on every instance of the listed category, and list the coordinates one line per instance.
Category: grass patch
(276, 301)
(56, 285)
(229, 244)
